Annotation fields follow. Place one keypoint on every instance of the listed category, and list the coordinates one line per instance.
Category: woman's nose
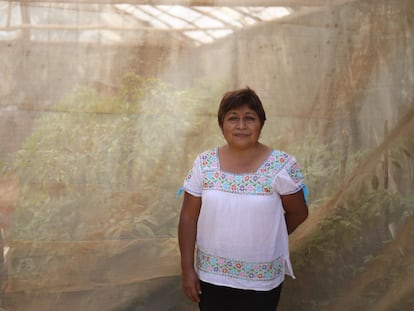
(241, 124)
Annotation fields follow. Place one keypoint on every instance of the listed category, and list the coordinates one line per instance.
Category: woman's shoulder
(208, 153)
(209, 159)
(280, 153)
(279, 159)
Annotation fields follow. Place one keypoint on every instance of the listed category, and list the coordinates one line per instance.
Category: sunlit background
(105, 104)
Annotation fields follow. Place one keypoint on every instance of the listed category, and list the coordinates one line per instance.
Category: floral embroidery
(189, 175)
(259, 182)
(254, 271)
(295, 172)
(209, 159)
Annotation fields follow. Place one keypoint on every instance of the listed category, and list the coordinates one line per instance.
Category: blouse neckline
(245, 173)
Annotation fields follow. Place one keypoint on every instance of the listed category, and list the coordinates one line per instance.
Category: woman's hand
(191, 285)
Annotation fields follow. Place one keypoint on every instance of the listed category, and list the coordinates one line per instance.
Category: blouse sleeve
(290, 179)
(193, 182)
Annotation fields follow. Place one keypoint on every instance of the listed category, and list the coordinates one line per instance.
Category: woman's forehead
(242, 109)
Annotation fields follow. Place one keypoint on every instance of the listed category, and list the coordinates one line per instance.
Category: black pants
(221, 298)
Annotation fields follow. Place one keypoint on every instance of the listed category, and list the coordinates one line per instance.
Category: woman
(241, 201)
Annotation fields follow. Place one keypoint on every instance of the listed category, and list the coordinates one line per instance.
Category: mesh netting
(104, 106)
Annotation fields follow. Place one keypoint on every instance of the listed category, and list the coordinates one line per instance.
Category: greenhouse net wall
(105, 104)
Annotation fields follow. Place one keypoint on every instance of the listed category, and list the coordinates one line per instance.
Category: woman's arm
(187, 232)
(296, 210)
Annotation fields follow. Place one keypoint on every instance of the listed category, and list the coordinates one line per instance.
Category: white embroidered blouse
(242, 239)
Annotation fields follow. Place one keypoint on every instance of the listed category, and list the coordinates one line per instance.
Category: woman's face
(241, 127)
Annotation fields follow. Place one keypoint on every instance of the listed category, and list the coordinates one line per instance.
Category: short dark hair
(237, 98)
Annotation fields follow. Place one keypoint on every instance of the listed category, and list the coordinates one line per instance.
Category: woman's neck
(243, 152)
(247, 160)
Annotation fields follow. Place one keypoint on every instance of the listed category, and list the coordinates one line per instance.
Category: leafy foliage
(106, 166)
